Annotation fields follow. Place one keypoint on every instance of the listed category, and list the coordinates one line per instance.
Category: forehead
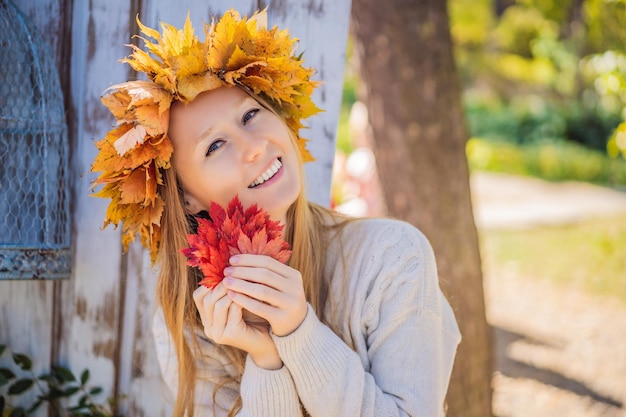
(219, 100)
(189, 121)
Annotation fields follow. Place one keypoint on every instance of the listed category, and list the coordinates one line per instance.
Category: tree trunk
(409, 84)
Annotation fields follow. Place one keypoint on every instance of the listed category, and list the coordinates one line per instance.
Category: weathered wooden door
(100, 318)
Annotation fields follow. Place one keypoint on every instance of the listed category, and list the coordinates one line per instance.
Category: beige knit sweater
(387, 301)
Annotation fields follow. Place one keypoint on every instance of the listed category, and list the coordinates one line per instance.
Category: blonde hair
(308, 230)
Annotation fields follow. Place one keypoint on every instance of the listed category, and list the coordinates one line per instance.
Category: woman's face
(227, 144)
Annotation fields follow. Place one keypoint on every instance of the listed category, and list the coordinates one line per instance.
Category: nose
(252, 146)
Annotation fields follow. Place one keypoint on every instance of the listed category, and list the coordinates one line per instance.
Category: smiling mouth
(271, 171)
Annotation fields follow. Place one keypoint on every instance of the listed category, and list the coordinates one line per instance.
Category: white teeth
(267, 174)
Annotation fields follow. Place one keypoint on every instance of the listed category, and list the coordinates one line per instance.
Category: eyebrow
(202, 136)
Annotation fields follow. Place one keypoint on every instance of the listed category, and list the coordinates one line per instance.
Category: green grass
(589, 255)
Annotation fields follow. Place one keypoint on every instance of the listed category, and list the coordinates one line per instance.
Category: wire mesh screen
(34, 207)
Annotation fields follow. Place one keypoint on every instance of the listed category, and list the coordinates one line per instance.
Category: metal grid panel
(34, 191)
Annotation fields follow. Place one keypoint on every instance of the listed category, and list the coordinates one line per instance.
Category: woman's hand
(223, 323)
(267, 288)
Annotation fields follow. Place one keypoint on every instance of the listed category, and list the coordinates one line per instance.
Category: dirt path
(559, 352)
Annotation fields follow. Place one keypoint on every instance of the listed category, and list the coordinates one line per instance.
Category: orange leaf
(130, 139)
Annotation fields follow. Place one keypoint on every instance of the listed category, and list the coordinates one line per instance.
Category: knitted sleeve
(407, 327)
(264, 393)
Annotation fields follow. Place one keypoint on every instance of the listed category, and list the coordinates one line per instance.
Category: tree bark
(409, 84)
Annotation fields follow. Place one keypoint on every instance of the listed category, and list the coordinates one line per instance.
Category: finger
(202, 292)
(257, 307)
(235, 314)
(257, 275)
(261, 261)
(205, 299)
(260, 292)
(199, 294)
(220, 314)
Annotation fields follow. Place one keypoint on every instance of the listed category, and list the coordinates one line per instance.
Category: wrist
(293, 326)
(269, 361)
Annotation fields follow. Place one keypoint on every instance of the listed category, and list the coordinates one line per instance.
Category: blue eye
(249, 115)
(214, 146)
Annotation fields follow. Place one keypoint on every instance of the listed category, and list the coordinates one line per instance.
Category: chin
(279, 211)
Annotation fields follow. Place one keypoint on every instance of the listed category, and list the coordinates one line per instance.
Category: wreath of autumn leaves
(235, 52)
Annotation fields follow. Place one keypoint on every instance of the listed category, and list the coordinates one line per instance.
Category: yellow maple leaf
(229, 33)
(256, 83)
(190, 86)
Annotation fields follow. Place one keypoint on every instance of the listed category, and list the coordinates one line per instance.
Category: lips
(269, 173)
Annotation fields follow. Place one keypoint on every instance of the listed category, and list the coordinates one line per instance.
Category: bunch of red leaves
(230, 232)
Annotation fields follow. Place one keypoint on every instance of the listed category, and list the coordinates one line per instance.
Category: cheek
(221, 191)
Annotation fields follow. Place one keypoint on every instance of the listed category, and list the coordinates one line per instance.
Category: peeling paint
(81, 308)
(105, 349)
(136, 410)
(278, 9)
(315, 8)
(328, 134)
(106, 314)
(322, 75)
(96, 113)
(139, 358)
(91, 37)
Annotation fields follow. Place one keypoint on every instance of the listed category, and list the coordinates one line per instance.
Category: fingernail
(234, 259)
(228, 281)
(228, 270)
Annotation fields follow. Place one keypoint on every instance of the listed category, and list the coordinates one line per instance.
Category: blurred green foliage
(537, 70)
(617, 142)
(59, 390)
(554, 160)
(529, 124)
(544, 85)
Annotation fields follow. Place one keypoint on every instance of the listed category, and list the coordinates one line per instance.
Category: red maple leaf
(230, 232)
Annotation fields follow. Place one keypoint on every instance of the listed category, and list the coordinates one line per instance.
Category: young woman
(357, 323)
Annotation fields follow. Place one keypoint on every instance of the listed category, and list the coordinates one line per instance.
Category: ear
(192, 206)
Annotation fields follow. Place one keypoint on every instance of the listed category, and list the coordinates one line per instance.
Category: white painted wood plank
(139, 376)
(322, 27)
(25, 323)
(91, 301)
(200, 12)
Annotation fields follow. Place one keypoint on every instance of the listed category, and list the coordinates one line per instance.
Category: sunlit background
(545, 97)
